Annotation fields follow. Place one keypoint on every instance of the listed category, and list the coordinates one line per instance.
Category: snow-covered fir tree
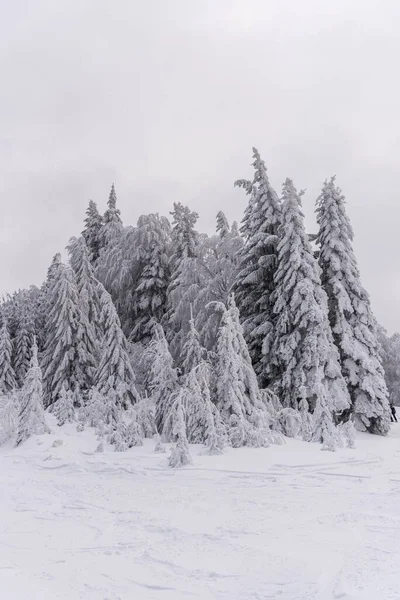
(60, 358)
(218, 261)
(175, 422)
(222, 225)
(353, 324)
(192, 352)
(163, 378)
(23, 340)
(63, 408)
(150, 293)
(237, 395)
(186, 278)
(92, 231)
(112, 226)
(255, 279)
(390, 355)
(115, 373)
(304, 359)
(89, 290)
(32, 417)
(7, 375)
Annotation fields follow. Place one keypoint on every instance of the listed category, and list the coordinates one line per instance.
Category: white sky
(167, 98)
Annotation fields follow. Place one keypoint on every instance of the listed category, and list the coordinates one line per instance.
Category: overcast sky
(167, 97)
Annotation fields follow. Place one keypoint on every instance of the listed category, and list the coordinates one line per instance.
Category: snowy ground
(284, 523)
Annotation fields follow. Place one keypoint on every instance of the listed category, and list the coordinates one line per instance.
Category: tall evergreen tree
(353, 324)
(7, 375)
(255, 279)
(23, 340)
(92, 231)
(89, 289)
(60, 365)
(31, 418)
(149, 297)
(237, 395)
(187, 276)
(304, 358)
(115, 374)
(112, 223)
(163, 378)
(222, 225)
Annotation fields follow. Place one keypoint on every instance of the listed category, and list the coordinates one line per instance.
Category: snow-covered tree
(237, 395)
(89, 290)
(303, 357)
(352, 322)
(115, 373)
(23, 340)
(32, 418)
(63, 408)
(112, 224)
(67, 360)
(175, 423)
(192, 352)
(92, 231)
(258, 262)
(222, 225)
(390, 356)
(163, 378)
(7, 375)
(218, 261)
(150, 293)
(186, 277)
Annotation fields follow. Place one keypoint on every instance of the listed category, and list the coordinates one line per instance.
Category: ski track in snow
(282, 523)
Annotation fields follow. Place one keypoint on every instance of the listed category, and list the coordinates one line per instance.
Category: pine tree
(193, 352)
(180, 453)
(24, 334)
(353, 324)
(115, 373)
(60, 360)
(89, 290)
(255, 279)
(237, 395)
(92, 231)
(303, 354)
(63, 408)
(222, 225)
(186, 276)
(32, 418)
(150, 294)
(163, 378)
(7, 375)
(112, 224)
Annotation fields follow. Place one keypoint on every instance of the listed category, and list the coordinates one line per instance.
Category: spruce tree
(63, 408)
(163, 378)
(255, 279)
(237, 395)
(92, 232)
(193, 352)
(115, 374)
(32, 418)
(112, 224)
(304, 358)
(7, 375)
(187, 278)
(149, 296)
(23, 340)
(222, 225)
(352, 321)
(60, 358)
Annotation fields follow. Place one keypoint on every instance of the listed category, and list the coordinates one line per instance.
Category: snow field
(281, 523)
